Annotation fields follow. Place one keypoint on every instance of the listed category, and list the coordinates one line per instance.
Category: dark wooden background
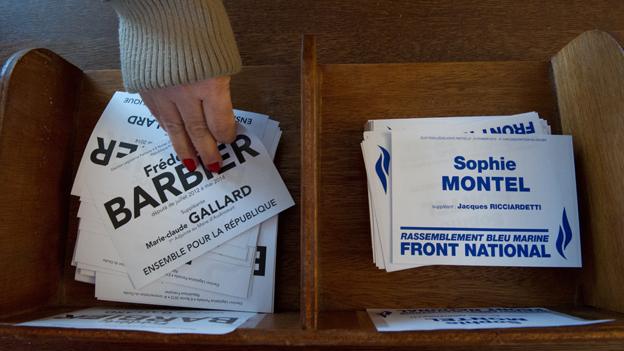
(348, 31)
(268, 31)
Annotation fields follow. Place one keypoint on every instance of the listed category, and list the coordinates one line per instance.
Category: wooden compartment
(48, 109)
(325, 277)
(584, 99)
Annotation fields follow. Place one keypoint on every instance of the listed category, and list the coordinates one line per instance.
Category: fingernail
(190, 164)
(214, 167)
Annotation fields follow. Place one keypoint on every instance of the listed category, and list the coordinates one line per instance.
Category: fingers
(199, 133)
(218, 111)
(171, 120)
(196, 117)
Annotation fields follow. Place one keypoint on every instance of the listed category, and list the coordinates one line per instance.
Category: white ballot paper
(235, 248)
(127, 127)
(395, 320)
(378, 154)
(490, 200)
(163, 214)
(117, 287)
(157, 321)
(85, 278)
(523, 123)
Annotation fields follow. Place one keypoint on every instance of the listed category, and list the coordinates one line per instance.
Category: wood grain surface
(588, 74)
(37, 90)
(348, 31)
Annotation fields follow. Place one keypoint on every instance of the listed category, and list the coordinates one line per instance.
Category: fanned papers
(151, 231)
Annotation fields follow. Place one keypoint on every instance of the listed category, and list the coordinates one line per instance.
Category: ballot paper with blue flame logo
(377, 158)
(163, 215)
(495, 200)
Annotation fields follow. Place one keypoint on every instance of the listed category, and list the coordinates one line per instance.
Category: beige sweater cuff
(170, 42)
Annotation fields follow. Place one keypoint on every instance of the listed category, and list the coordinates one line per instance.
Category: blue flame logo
(382, 167)
(565, 235)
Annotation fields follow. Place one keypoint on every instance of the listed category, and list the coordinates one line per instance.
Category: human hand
(196, 116)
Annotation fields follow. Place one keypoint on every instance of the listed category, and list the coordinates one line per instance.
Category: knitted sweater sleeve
(170, 42)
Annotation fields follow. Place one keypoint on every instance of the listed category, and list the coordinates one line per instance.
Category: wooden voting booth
(325, 277)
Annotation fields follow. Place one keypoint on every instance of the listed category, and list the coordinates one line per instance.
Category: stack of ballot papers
(153, 232)
(478, 191)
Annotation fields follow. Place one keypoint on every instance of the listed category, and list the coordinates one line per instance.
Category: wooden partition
(589, 81)
(325, 277)
(36, 134)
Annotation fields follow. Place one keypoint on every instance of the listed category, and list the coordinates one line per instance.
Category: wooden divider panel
(37, 97)
(589, 78)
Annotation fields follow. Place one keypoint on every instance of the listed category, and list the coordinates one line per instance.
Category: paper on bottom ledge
(394, 320)
(157, 321)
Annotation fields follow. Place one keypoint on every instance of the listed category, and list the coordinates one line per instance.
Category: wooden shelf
(325, 278)
(339, 329)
